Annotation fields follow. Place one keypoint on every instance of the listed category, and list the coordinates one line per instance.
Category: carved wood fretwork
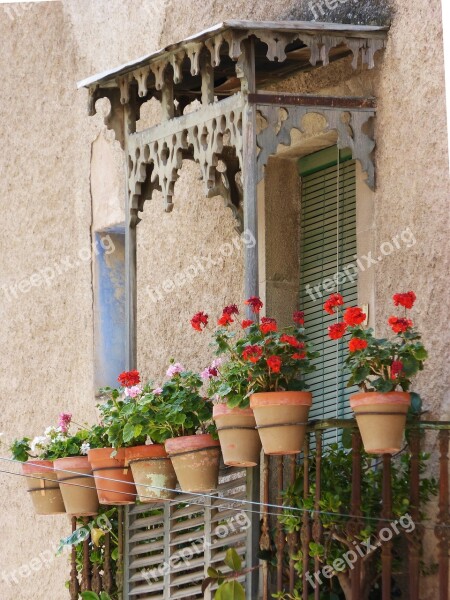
(351, 125)
(207, 136)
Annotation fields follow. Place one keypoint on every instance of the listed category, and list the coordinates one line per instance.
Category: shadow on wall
(355, 12)
(109, 306)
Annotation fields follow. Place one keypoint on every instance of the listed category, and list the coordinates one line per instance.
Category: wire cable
(279, 507)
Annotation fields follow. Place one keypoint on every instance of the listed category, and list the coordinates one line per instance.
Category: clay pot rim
(190, 442)
(368, 398)
(145, 451)
(292, 398)
(73, 459)
(100, 455)
(222, 410)
(38, 466)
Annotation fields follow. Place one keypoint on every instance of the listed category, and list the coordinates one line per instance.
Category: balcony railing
(298, 543)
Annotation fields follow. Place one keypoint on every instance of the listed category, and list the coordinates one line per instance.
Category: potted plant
(41, 478)
(227, 383)
(192, 447)
(382, 368)
(134, 418)
(113, 476)
(267, 367)
(63, 455)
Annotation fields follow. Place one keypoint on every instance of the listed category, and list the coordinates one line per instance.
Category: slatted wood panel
(328, 245)
(169, 547)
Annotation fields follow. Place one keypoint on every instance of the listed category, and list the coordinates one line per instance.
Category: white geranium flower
(85, 447)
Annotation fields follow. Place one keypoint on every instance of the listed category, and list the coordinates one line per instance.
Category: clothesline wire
(278, 507)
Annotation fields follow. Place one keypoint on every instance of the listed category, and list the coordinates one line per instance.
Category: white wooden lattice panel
(169, 546)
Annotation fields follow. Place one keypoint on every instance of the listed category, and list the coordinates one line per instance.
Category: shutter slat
(319, 261)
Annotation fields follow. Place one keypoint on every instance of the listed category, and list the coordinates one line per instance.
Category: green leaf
(382, 385)
(128, 432)
(214, 573)
(115, 554)
(232, 560)
(420, 353)
(360, 374)
(416, 402)
(104, 596)
(230, 590)
(89, 596)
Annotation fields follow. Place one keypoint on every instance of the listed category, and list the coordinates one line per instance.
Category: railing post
(279, 537)
(86, 573)
(414, 538)
(107, 574)
(317, 523)
(354, 524)
(74, 586)
(442, 529)
(386, 514)
(305, 532)
(292, 537)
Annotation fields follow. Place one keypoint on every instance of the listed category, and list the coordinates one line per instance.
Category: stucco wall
(46, 333)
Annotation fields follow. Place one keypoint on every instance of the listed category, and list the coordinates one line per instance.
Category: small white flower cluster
(41, 442)
(85, 447)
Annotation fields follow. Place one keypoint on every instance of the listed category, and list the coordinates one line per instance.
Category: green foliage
(229, 588)
(20, 449)
(97, 527)
(54, 444)
(335, 502)
(241, 375)
(371, 368)
(179, 409)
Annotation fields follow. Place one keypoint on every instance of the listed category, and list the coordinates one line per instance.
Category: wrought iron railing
(281, 573)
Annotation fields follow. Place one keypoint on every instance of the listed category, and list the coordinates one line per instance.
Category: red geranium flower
(337, 330)
(356, 344)
(400, 325)
(396, 369)
(354, 316)
(299, 317)
(129, 378)
(274, 363)
(225, 319)
(291, 340)
(198, 320)
(407, 299)
(252, 353)
(268, 325)
(246, 323)
(232, 309)
(299, 355)
(333, 301)
(255, 303)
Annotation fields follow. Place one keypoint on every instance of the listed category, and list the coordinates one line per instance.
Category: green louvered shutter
(328, 244)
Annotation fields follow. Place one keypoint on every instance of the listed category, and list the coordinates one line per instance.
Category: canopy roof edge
(234, 31)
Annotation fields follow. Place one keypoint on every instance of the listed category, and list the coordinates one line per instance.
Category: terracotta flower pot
(120, 489)
(195, 459)
(281, 419)
(45, 493)
(151, 466)
(79, 501)
(381, 419)
(239, 439)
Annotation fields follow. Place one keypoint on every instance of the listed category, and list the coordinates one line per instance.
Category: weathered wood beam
(267, 98)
